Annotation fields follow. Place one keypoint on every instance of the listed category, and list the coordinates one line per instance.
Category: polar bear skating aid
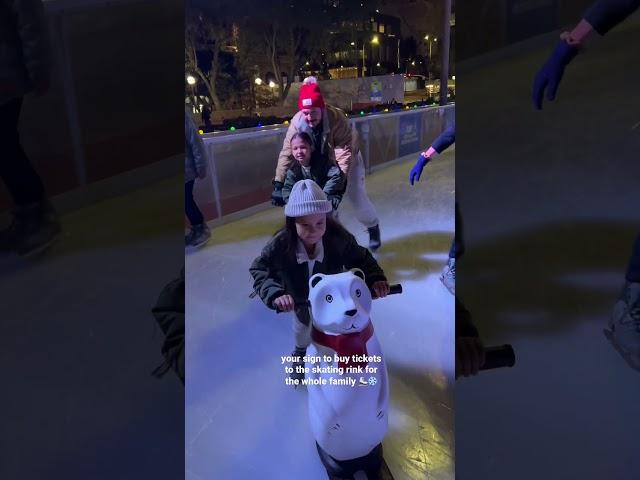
(348, 411)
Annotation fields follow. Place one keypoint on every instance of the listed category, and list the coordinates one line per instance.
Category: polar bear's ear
(358, 273)
(313, 281)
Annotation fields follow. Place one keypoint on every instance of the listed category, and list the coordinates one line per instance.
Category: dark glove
(276, 195)
(335, 201)
(551, 72)
(416, 171)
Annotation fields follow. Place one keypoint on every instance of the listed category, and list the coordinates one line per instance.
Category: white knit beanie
(306, 198)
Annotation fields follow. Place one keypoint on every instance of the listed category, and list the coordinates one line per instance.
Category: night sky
(418, 17)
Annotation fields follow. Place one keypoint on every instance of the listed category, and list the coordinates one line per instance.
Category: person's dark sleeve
(289, 181)
(606, 14)
(196, 145)
(267, 282)
(464, 325)
(445, 140)
(169, 313)
(31, 27)
(357, 256)
(334, 188)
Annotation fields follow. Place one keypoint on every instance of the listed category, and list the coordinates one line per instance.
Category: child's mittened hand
(285, 303)
(381, 289)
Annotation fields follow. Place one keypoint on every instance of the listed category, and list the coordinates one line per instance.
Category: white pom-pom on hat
(309, 80)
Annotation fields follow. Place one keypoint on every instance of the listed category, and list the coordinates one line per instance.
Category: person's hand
(469, 356)
(276, 195)
(285, 303)
(201, 173)
(549, 76)
(381, 288)
(416, 171)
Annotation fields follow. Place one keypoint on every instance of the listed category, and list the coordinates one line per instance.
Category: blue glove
(416, 171)
(551, 73)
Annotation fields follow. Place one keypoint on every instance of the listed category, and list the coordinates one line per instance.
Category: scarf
(345, 344)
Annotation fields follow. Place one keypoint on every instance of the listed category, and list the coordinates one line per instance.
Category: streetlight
(374, 41)
(435, 39)
(258, 81)
(191, 80)
(272, 85)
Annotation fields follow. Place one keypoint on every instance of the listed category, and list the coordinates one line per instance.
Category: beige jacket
(339, 142)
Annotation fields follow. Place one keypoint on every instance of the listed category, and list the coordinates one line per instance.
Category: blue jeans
(633, 271)
(191, 208)
(16, 171)
(457, 246)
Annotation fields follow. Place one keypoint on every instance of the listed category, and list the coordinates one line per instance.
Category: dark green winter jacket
(324, 172)
(276, 271)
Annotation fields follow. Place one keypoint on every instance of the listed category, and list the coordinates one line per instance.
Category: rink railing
(242, 163)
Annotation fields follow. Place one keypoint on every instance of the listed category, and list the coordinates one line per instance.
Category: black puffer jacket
(324, 172)
(276, 271)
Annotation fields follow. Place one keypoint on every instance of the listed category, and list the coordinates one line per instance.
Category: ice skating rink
(243, 422)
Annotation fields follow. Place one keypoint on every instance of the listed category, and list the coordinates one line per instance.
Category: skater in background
(24, 68)
(311, 242)
(469, 349)
(444, 141)
(603, 15)
(312, 165)
(331, 133)
(195, 166)
(206, 116)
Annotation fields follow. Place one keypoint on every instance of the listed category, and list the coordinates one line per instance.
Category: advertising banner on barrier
(409, 127)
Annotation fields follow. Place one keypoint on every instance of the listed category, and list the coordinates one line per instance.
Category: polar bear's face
(340, 303)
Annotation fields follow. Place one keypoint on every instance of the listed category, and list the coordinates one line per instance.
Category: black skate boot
(34, 228)
(374, 238)
(298, 367)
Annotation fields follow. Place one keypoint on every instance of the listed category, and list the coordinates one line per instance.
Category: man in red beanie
(332, 136)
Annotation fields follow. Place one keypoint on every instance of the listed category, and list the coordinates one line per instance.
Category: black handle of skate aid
(393, 290)
(498, 357)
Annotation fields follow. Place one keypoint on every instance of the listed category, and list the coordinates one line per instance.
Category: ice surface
(243, 422)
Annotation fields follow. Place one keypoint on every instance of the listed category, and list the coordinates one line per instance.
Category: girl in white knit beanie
(311, 242)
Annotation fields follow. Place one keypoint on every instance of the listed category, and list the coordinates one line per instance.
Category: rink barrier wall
(242, 163)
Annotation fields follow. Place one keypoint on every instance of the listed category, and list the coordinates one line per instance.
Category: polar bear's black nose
(351, 313)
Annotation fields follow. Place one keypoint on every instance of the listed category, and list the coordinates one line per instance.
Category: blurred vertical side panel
(79, 340)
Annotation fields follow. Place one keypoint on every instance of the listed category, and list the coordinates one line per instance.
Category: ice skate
(624, 325)
(448, 276)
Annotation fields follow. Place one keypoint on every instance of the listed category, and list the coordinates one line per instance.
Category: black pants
(457, 246)
(191, 208)
(633, 271)
(17, 173)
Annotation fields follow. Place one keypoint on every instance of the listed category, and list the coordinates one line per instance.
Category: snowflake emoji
(372, 381)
